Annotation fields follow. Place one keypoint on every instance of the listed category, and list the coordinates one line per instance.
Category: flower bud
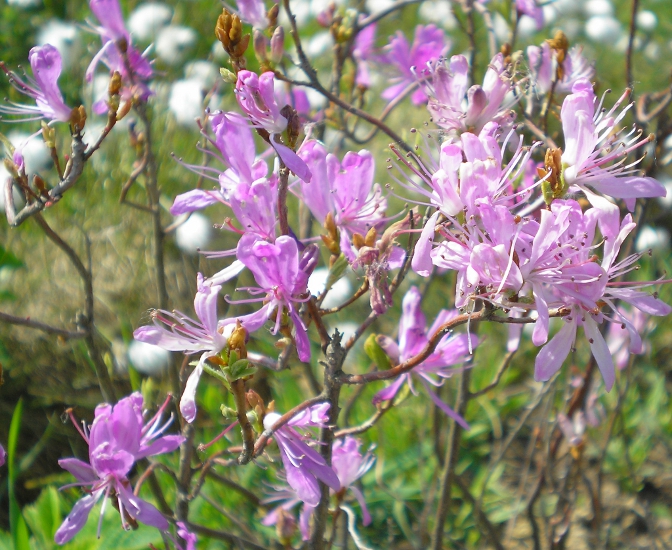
(260, 43)
(277, 45)
(272, 15)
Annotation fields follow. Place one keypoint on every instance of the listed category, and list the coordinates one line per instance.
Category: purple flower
(582, 285)
(304, 466)
(533, 10)
(282, 275)
(117, 439)
(346, 190)
(280, 516)
(543, 63)
(454, 107)
(429, 44)
(349, 465)
(253, 12)
(362, 52)
(174, 331)
(235, 143)
(256, 97)
(413, 337)
(46, 64)
(594, 153)
(116, 45)
(186, 536)
(3, 456)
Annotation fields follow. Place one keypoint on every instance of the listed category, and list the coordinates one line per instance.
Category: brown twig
(28, 322)
(631, 44)
(238, 389)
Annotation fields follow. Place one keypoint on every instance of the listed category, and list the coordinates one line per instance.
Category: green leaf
(17, 525)
(237, 368)
(44, 517)
(376, 353)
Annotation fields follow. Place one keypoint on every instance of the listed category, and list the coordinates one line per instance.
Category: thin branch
(370, 423)
(73, 170)
(262, 440)
(500, 372)
(374, 18)
(238, 389)
(631, 44)
(223, 535)
(28, 322)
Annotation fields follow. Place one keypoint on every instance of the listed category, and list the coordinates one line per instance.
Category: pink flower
(349, 465)
(594, 153)
(135, 70)
(362, 52)
(174, 331)
(304, 466)
(282, 275)
(346, 190)
(253, 12)
(256, 97)
(46, 64)
(413, 337)
(235, 143)
(117, 439)
(429, 44)
(454, 107)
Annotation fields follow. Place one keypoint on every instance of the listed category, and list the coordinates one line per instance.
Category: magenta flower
(349, 465)
(543, 62)
(362, 52)
(117, 439)
(135, 70)
(454, 107)
(288, 499)
(3, 456)
(304, 466)
(256, 97)
(413, 337)
(582, 285)
(282, 275)
(594, 153)
(346, 190)
(46, 64)
(235, 143)
(253, 12)
(186, 536)
(174, 331)
(429, 44)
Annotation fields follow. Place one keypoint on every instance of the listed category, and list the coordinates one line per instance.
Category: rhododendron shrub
(508, 190)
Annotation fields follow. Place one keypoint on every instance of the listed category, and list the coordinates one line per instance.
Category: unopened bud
(272, 15)
(357, 240)
(370, 239)
(277, 45)
(260, 43)
(237, 340)
(78, 119)
(293, 124)
(39, 184)
(49, 134)
(228, 76)
(115, 84)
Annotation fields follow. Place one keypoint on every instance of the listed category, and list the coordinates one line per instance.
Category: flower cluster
(117, 439)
